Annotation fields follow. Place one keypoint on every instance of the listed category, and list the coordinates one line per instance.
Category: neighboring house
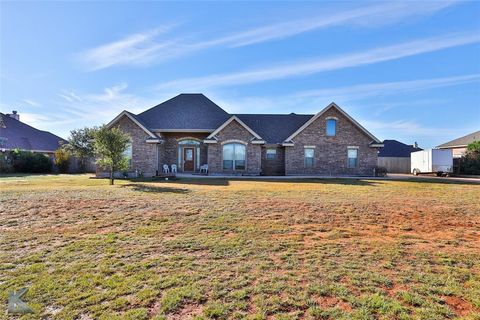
(395, 156)
(459, 145)
(190, 131)
(16, 134)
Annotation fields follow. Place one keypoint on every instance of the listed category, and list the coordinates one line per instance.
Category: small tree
(62, 160)
(80, 144)
(109, 145)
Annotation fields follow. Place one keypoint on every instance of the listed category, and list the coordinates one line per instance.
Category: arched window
(189, 141)
(331, 127)
(234, 156)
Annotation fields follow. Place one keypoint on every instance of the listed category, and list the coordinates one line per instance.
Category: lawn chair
(165, 168)
(174, 168)
(204, 168)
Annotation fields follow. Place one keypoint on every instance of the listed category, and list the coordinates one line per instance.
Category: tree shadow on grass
(154, 189)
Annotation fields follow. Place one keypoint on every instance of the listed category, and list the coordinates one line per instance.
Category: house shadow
(141, 187)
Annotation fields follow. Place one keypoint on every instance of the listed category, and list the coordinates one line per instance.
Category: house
(395, 156)
(190, 131)
(459, 145)
(16, 134)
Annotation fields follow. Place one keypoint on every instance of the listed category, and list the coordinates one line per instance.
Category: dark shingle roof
(16, 134)
(274, 128)
(185, 111)
(394, 148)
(462, 141)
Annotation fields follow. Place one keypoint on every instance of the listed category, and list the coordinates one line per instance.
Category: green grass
(233, 249)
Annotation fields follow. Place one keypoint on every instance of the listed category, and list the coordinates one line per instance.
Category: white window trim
(233, 142)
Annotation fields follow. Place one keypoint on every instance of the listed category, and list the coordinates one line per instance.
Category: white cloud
(323, 64)
(31, 102)
(387, 88)
(137, 49)
(145, 48)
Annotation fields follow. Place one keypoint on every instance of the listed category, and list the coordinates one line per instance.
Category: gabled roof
(226, 123)
(274, 128)
(462, 141)
(135, 119)
(187, 111)
(315, 117)
(394, 148)
(16, 134)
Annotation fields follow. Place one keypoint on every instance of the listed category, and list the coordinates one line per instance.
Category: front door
(188, 159)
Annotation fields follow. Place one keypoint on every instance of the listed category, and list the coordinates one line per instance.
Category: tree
(62, 160)
(471, 160)
(109, 146)
(80, 144)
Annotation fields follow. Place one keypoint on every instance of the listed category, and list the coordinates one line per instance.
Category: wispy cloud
(137, 49)
(373, 15)
(31, 102)
(323, 64)
(145, 48)
(387, 88)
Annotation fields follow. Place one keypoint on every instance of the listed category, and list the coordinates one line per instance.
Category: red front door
(188, 159)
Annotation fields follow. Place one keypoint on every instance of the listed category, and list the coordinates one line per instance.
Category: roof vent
(293, 114)
(14, 115)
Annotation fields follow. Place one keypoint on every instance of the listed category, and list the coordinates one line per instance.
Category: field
(231, 249)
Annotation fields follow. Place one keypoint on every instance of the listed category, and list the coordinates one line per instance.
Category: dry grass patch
(231, 249)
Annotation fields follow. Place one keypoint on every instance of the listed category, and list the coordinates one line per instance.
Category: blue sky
(405, 70)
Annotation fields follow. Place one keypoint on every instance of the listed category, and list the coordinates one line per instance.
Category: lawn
(232, 249)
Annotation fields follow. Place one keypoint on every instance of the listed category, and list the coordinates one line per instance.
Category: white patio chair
(165, 168)
(204, 168)
(174, 168)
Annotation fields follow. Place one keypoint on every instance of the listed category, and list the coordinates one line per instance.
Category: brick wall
(169, 149)
(234, 131)
(276, 166)
(144, 155)
(331, 152)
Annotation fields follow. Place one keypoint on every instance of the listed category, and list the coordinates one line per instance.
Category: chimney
(415, 145)
(14, 115)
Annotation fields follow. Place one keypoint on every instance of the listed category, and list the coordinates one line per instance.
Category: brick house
(190, 131)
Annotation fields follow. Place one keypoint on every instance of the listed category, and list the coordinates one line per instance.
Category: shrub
(62, 160)
(470, 164)
(28, 162)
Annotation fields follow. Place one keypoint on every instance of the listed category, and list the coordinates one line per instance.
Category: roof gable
(187, 111)
(332, 105)
(134, 119)
(16, 134)
(462, 141)
(226, 123)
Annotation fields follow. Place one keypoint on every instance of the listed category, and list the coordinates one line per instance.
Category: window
(271, 154)
(331, 127)
(189, 141)
(128, 154)
(234, 156)
(309, 159)
(352, 158)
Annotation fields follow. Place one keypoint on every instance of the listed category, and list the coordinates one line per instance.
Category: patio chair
(165, 168)
(174, 168)
(204, 168)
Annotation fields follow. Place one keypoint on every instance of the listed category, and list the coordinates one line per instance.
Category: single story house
(192, 132)
(395, 156)
(459, 145)
(16, 134)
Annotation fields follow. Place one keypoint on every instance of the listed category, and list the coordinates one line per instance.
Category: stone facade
(330, 155)
(144, 155)
(234, 132)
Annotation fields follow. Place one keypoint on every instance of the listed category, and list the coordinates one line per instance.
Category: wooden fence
(395, 164)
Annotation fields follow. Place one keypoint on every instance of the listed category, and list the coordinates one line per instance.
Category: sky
(406, 70)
